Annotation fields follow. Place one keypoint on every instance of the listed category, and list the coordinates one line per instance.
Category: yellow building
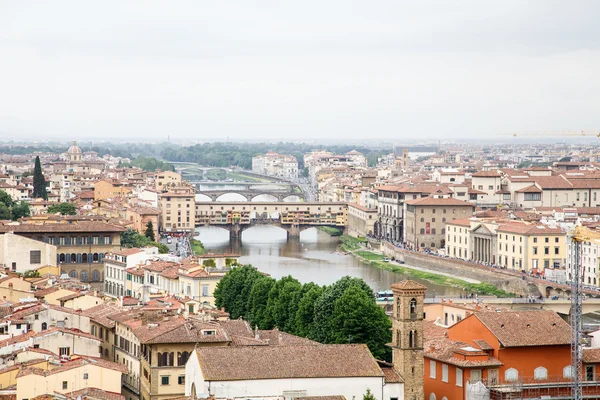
(178, 209)
(166, 179)
(21, 254)
(77, 374)
(103, 327)
(105, 189)
(530, 247)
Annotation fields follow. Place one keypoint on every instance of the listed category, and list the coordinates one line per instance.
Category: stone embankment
(502, 279)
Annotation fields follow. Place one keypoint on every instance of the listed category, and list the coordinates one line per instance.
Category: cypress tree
(39, 182)
(150, 231)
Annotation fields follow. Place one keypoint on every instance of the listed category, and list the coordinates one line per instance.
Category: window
(432, 368)
(589, 373)
(475, 375)
(459, 377)
(535, 250)
(65, 385)
(556, 250)
(432, 396)
(164, 380)
(444, 372)
(35, 256)
(422, 231)
(205, 290)
(533, 197)
(181, 380)
(511, 375)
(568, 371)
(546, 240)
(64, 351)
(540, 373)
(85, 376)
(534, 240)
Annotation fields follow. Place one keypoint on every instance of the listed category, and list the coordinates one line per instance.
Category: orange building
(527, 353)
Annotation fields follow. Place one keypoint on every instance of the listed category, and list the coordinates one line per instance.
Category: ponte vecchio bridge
(294, 217)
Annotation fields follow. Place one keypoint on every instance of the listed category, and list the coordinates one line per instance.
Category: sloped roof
(436, 201)
(526, 328)
(530, 189)
(409, 285)
(284, 362)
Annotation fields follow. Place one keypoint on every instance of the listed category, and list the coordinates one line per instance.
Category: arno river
(313, 258)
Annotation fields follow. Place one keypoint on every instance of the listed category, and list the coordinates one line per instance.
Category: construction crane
(579, 235)
(560, 133)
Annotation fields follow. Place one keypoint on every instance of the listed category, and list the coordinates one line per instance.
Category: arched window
(73, 258)
(106, 353)
(95, 275)
(422, 231)
(568, 371)
(443, 231)
(444, 398)
(171, 360)
(84, 258)
(432, 219)
(433, 231)
(160, 359)
(413, 306)
(73, 274)
(95, 257)
(398, 337)
(83, 276)
(540, 373)
(44, 326)
(432, 396)
(422, 219)
(182, 358)
(432, 245)
(412, 339)
(511, 374)
(444, 219)
(61, 258)
(422, 244)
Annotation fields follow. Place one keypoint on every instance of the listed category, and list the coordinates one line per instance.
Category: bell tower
(407, 336)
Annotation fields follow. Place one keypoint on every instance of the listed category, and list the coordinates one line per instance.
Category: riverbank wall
(507, 282)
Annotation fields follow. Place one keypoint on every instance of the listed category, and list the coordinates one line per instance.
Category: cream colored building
(165, 179)
(178, 209)
(458, 234)
(530, 247)
(361, 220)
(106, 189)
(77, 374)
(20, 254)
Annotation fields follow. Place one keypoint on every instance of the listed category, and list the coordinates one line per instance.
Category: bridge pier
(235, 232)
(293, 232)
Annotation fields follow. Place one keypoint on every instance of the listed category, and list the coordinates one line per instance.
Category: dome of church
(74, 149)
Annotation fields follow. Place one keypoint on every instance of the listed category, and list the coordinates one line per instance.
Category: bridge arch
(203, 197)
(238, 197)
(264, 197)
(292, 198)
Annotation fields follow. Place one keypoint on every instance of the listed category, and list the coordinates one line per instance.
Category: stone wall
(461, 269)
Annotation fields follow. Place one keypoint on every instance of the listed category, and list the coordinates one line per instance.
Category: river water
(313, 258)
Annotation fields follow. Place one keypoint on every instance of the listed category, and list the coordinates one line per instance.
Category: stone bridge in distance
(294, 217)
(252, 190)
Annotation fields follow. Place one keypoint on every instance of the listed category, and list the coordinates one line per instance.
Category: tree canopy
(345, 312)
(20, 210)
(131, 238)
(62, 209)
(150, 164)
(150, 231)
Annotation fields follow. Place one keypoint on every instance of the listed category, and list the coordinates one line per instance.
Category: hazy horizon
(326, 71)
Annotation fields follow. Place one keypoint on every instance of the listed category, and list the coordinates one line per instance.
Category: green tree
(31, 274)
(283, 303)
(6, 199)
(368, 395)
(209, 262)
(305, 314)
(131, 238)
(62, 209)
(20, 210)
(150, 231)
(257, 302)
(322, 329)
(357, 318)
(234, 288)
(39, 182)
(4, 212)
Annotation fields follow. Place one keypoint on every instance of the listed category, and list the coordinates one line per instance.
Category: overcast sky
(322, 69)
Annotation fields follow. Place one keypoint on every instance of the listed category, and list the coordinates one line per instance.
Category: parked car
(386, 259)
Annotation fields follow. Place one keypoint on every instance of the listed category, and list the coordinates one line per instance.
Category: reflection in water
(313, 258)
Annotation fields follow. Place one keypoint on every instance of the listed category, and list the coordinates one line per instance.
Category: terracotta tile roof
(528, 229)
(282, 362)
(158, 266)
(436, 201)
(552, 182)
(43, 292)
(431, 330)
(94, 394)
(530, 189)
(71, 296)
(591, 356)
(487, 174)
(100, 314)
(275, 337)
(178, 330)
(526, 328)
(237, 327)
(391, 376)
(82, 226)
(462, 222)
(83, 361)
(74, 332)
(320, 397)
(457, 353)
(483, 345)
(409, 285)
(128, 252)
